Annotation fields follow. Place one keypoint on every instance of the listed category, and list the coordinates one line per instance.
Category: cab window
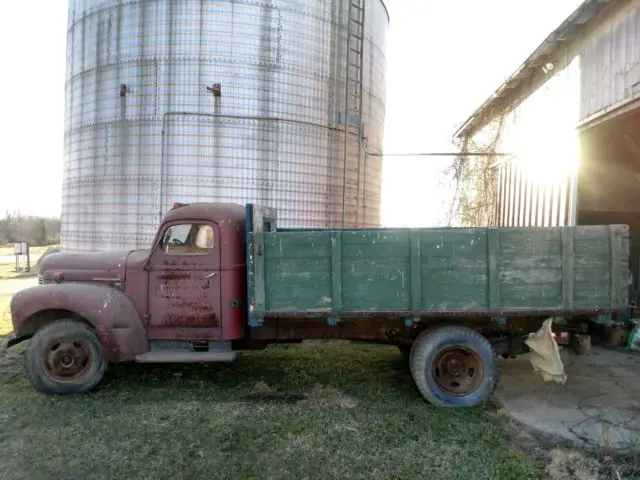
(188, 239)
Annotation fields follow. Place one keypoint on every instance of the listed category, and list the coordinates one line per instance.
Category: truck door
(184, 283)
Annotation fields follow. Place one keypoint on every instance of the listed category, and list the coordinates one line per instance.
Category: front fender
(108, 310)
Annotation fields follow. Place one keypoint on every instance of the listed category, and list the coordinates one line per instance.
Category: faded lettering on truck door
(184, 283)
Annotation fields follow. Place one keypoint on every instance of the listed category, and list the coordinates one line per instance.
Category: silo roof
(384, 5)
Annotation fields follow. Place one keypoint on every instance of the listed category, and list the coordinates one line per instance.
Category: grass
(310, 411)
(5, 315)
(8, 250)
(7, 272)
(7, 262)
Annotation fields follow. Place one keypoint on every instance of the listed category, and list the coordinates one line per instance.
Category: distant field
(5, 315)
(7, 261)
(7, 271)
(7, 250)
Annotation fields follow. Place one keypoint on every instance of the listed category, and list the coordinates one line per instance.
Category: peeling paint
(455, 271)
(325, 301)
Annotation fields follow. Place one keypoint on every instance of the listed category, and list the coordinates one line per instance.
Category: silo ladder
(353, 96)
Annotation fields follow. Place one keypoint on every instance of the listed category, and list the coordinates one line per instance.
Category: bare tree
(37, 231)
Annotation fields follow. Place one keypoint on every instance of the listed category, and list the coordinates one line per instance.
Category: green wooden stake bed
(450, 298)
(222, 279)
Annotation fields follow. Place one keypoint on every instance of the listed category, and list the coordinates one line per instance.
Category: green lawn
(9, 250)
(310, 411)
(7, 262)
(5, 315)
(7, 272)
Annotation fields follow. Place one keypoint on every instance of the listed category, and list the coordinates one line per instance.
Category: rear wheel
(454, 367)
(65, 357)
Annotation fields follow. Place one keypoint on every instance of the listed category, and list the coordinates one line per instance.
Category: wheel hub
(453, 367)
(66, 360)
(457, 370)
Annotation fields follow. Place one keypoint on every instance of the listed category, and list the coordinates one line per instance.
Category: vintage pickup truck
(220, 279)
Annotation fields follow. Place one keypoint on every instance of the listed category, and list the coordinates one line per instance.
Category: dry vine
(475, 178)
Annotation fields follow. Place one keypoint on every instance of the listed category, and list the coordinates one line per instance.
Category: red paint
(181, 333)
(133, 297)
(108, 310)
(193, 293)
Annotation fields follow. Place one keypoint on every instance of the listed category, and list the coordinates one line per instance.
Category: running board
(185, 357)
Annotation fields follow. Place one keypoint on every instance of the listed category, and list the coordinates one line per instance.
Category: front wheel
(454, 367)
(65, 357)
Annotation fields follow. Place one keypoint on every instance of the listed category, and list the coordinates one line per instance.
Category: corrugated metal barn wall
(524, 202)
(610, 63)
(536, 186)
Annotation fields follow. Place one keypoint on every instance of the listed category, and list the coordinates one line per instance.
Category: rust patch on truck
(108, 341)
(169, 276)
(112, 315)
(191, 313)
(186, 320)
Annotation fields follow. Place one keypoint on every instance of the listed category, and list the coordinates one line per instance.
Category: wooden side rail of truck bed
(449, 272)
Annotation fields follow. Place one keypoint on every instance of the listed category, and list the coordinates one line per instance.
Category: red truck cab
(191, 285)
(188, 289)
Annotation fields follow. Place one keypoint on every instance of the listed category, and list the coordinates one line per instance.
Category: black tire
(480, 366)
(65, 357)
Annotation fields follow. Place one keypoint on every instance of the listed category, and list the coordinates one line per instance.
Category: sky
(444, 59)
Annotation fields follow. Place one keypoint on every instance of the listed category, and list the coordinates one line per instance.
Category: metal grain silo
(222, 101)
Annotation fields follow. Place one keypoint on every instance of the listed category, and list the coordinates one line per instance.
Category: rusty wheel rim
(457, 371)
(67, 359)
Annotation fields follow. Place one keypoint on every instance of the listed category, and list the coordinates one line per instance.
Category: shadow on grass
(284, 369)
(321, 411)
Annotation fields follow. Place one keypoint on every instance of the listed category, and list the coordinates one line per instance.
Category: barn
(562, 134)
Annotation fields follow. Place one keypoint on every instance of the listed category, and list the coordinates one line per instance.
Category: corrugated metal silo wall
(538, 185)
(144, 128)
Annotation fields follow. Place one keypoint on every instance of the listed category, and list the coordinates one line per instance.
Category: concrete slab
(598, 406)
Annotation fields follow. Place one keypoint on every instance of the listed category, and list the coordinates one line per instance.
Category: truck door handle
(211, 275)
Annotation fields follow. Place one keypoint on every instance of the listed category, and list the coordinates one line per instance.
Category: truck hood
(99, 267)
